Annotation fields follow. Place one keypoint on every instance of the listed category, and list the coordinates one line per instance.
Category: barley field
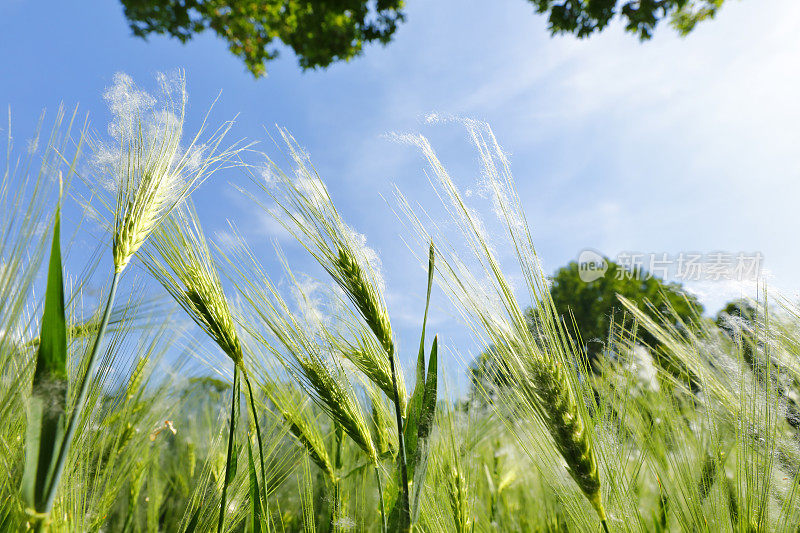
(308, 422)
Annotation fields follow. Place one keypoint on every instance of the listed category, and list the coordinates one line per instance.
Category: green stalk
(235, 393)
(72, 425)
(260, 447)
(405, 522)
(380, 497)
(337, 466)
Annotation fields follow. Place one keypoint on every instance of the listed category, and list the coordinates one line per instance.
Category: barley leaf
(191, 527)
(426, 419)
(257, 516)
(231, 461)
(415, 405)
(49, 394)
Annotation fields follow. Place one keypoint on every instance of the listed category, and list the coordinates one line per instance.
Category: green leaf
(257, 516)
(427, 416)
(415, 405)
(46, 412)
(263, 512)
(191, 527)
(232, 458)
(234, 462)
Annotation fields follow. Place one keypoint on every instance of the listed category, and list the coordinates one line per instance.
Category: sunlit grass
(330, 438)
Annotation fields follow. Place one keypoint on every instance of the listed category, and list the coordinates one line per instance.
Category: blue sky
(668, 146)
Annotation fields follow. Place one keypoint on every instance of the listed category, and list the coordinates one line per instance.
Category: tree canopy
(585, 17)
(587, 310)
(741, 309)
(595, 304)
(321, 32)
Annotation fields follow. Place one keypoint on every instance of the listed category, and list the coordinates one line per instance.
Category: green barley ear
(459, 504)
(490, 304)
(385, 440)
(288, 338)
(366, 353)
(328, 386)
(365, 298)
(305, 209)
(180, 259)
(147, 169)
(302, 423)
(557, 406)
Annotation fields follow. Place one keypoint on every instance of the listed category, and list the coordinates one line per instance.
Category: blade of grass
(426, 419)
(254, 415)
(49, 395)
(230, 469)
(380, 497)
(83, 391)
(415, 405)
(256, 516)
